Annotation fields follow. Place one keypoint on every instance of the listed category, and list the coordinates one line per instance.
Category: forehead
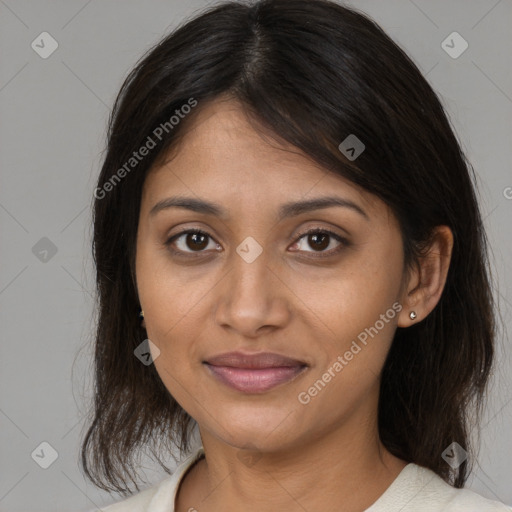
(224, 154)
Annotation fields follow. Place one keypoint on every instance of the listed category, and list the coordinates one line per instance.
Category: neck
(346, 467)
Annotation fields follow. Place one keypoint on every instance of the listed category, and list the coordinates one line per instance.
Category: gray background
(53, 118)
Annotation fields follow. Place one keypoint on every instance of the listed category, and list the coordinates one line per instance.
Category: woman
(290, 256)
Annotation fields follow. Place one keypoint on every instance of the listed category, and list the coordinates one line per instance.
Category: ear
(425, 283)
(142, 319)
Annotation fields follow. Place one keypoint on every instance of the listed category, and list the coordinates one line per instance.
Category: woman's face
(255, 284)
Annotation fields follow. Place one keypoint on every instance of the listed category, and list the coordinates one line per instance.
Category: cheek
(171, 295)
(178, 364)
(355, 312)
(174, 304)
(344, 301)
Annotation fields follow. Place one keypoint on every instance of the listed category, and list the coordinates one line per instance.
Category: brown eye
(190, 241)
(196, 241)
(319, 240)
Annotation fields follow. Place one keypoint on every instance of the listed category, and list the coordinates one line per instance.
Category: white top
(415, 489)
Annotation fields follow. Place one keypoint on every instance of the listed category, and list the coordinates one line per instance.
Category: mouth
(254, 373)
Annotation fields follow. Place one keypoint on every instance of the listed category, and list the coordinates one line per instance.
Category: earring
(412, 315)
(141, 314)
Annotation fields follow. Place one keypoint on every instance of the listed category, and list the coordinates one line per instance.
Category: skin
(312, 456)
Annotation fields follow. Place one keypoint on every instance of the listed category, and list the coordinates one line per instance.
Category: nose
(252, 299)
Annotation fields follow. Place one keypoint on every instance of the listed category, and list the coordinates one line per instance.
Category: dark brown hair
(311, 72)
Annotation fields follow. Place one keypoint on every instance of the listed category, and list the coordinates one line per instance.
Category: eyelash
(194, 254)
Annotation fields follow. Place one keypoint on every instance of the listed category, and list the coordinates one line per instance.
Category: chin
(265, 429)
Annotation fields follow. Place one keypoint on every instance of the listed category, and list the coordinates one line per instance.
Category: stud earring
(412, 315)
(141, 314)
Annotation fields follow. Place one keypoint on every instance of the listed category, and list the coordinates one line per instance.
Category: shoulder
(138, 502)
(159, 497)
(469, 501)
(451, 499)
(418, 489)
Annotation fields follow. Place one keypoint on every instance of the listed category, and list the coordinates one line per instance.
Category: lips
(254, 373)
(259, 360)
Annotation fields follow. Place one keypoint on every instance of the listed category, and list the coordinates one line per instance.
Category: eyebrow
(286, 210)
